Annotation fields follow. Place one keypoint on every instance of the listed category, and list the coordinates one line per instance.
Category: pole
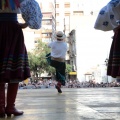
(69, 23)
(55, 14)
(64, 26)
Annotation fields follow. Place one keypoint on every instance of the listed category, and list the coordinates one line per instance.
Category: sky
(95, 4)
(93, 46)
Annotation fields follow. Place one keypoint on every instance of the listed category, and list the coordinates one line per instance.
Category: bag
(31, 13)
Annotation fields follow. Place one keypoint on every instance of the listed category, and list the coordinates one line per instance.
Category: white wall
(92, 46)
(29, 39)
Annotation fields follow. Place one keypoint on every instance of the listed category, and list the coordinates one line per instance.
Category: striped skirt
(14, 66)
(113, 68)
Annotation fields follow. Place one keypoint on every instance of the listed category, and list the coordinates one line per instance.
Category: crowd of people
(69, 84)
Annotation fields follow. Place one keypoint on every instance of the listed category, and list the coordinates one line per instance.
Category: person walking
(14, 66)
(57, 55)
(109, 19)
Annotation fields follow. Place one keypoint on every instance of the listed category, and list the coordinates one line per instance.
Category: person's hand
(23, 25)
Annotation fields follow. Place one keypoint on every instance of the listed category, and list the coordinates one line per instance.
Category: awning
(72, 73)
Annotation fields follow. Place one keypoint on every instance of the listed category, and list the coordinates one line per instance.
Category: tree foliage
(37, 59)
(68, 68)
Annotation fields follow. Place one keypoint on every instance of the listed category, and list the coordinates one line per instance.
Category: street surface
(72, 104)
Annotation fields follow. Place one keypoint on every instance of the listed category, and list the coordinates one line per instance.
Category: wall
(92, 46)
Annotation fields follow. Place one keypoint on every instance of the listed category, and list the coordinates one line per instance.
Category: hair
(59, 39)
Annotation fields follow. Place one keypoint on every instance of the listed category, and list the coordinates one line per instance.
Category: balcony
(46, 31)
(47, 16)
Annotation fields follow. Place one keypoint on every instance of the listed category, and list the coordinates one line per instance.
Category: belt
(8, 16)
(58, 59)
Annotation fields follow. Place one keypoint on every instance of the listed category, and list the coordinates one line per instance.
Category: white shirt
(58, 49)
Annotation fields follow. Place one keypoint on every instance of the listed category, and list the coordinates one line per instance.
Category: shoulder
(65, 43)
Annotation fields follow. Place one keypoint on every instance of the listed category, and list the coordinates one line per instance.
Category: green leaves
(37, 60)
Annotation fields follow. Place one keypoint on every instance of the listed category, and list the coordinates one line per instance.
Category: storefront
(73, 75)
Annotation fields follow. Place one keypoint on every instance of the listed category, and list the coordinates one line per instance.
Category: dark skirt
(14, 65)
(113, 68)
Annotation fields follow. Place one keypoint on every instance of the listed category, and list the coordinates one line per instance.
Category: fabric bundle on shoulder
(31, 13)
(30, 10)
(109, 16)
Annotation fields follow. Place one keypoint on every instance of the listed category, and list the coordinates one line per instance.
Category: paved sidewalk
(72, 104)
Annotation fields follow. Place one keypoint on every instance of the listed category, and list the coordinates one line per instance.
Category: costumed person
(57, 58)
(14, 66)
(109, 19)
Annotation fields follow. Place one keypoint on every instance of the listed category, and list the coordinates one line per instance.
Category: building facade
(47, 31)
(76, 19)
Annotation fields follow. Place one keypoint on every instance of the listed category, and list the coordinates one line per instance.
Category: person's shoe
(2, 112)
(2, 100)
(11, 97)
(12, 110)
(58, 87)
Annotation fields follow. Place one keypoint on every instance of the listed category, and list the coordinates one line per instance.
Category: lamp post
(106, 63)
(55, 13)
(64, 26)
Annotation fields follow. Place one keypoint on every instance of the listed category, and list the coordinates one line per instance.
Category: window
(46, 40)
(57, 14)
(47, 22)
(57, 23)
(57, 5)
(35, 41)
(67, 14)
(78, 12)
(67, 5)
(46, 35)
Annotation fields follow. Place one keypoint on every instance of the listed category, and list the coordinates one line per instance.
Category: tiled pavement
(72, 104)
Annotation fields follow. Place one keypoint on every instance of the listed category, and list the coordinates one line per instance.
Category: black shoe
(2, 115)
(59, 89)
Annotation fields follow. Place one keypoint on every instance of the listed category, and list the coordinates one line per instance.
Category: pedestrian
(109, 19)
(58, 53)
(14, 66)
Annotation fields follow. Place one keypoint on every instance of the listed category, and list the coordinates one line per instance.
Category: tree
(37, 60)
(68, 68)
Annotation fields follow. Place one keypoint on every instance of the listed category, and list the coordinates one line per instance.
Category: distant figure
(58, 53)
(14, 66)
(109, 19)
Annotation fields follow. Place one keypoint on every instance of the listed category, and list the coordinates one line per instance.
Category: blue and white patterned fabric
(31, 13)
(109, 16)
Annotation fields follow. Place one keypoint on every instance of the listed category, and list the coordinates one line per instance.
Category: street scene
(59, 60)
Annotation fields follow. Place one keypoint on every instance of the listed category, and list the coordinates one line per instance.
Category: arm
(117, 28)
(23, 25)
